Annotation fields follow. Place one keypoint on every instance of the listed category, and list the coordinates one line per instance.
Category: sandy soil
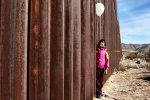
(131, 84)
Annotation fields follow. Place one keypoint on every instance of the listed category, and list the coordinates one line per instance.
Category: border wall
(48, 48)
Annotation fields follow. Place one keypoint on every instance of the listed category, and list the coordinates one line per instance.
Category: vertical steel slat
(96, 25)
(14, 45)
(57, 50)
(34, 50)
(76, 49)
(93, 46)
(19, 34)
(106, 24)
(83, 49)
(112, 36)
(91, 37)
(110, 55)
(1, 50)
(39, 50)
(102, 22)
(68, 50)
(14, 61)
(49, 26)
(89, 65)
(11, 53)
(96, 38)
(4, 48)
(49, 47)
(113, 27)
(105, 27)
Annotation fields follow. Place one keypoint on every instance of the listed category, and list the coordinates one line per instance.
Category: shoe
(103, 94)
(98, 96)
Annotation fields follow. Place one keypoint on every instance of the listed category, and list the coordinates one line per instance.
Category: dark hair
(98, 45)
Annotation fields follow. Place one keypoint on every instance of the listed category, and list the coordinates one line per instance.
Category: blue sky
(134, 20)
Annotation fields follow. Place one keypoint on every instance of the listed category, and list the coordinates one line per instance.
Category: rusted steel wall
(39, 50)
(47, 48)
(13, 49)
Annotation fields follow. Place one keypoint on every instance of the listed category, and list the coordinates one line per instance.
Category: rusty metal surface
(68, 50)
(13, 43)
(76, 49)
(4, 52)
(89, 66)
(83, 49)
(19, 35)
(4, 49)
(57, 50)
(48, 48)
(39, 51)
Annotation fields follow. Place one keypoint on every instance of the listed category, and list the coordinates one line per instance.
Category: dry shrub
(147, 59)
(121, 67)
(147, 66)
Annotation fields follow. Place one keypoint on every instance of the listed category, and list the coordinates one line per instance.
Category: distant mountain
(138, 47)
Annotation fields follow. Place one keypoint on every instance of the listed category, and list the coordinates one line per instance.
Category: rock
(138, 62)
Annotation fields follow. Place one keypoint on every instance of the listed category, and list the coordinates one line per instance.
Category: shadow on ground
(145, 78)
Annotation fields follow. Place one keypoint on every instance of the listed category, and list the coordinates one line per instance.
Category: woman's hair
(98, 45)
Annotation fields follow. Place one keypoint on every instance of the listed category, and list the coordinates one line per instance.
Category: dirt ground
(132, 83)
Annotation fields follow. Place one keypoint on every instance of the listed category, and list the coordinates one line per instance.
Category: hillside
(138, 47)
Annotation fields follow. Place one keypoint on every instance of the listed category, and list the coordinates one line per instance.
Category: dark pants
(99, 80)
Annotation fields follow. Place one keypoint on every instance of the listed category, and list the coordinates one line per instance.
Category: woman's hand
(105, 72)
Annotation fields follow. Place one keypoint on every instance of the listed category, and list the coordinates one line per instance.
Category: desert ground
(130, 81)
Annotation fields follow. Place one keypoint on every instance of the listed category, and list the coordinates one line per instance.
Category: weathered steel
(18, 57)
(19, 35)
(93, 49)
(88, 72)
(39, 51)
(48, 48)
(4, 49)
(76, 49)
(57, 50)
(13, 63)
(83, 49)
(68, 50)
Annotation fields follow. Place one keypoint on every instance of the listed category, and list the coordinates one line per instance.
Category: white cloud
(130, 4)
(134, 21)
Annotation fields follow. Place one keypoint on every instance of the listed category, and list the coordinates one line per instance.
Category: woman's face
(102, 44)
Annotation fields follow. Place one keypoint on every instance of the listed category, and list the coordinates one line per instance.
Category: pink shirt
(102, 60)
